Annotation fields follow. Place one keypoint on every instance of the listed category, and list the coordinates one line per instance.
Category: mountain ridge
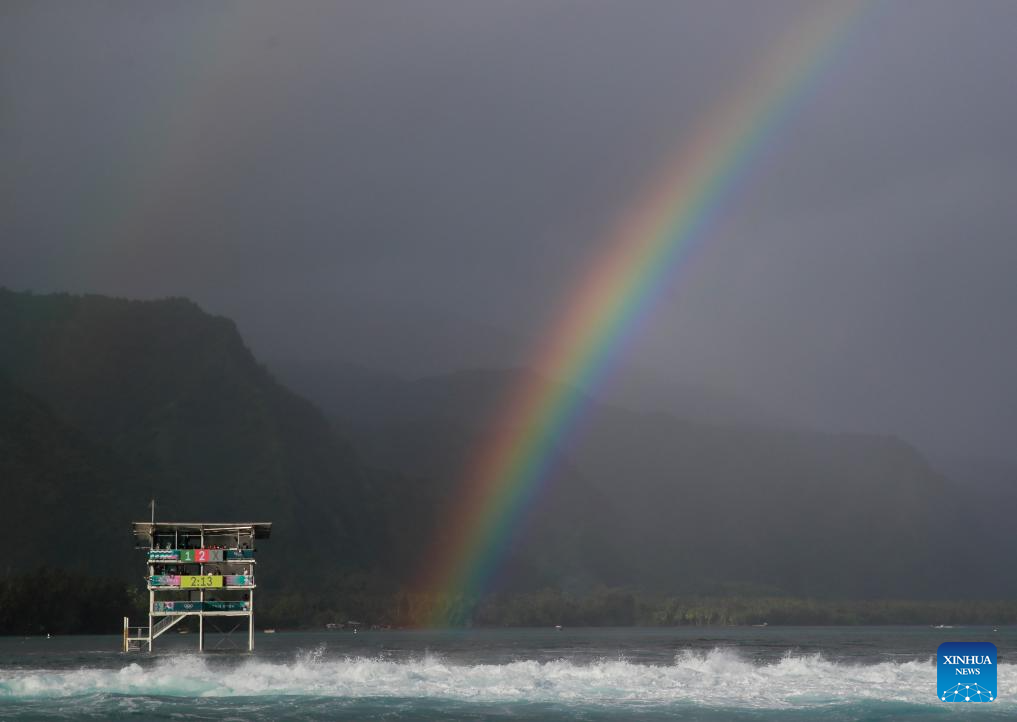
(161, 396)
(176, 395)
(736, 485)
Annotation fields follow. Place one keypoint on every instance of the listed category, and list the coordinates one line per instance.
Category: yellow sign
(196, 582)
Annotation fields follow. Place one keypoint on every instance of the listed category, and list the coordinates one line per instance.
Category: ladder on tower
(135, 638)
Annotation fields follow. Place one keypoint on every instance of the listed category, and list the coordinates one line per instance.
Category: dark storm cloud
(417, 184)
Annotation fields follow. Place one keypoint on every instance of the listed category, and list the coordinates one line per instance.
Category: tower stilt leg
(250, 622)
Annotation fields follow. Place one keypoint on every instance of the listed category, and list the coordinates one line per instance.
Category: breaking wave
(718, 678)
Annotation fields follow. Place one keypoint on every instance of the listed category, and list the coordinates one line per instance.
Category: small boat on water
(269, 631)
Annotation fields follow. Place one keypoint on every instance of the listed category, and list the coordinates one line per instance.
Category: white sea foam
(719, 678)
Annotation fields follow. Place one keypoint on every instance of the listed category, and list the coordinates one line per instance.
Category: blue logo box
(966, 672)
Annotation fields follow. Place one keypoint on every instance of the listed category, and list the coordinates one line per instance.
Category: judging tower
(197, 569)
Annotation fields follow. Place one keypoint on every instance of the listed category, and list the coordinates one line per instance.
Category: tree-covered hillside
(105, 403)
(64, 497)
(172, 398)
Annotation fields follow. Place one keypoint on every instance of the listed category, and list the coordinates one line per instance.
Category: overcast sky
(416, 185)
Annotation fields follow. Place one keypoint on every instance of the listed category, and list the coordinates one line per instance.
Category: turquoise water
(796, 673)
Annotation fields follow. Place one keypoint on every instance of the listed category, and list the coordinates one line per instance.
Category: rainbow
(613, 296)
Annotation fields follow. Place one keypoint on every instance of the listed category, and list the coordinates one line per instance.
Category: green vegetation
(60, 602)
(619, 607)
(608, 607)
(51, 601)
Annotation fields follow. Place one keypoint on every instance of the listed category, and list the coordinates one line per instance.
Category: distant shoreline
(65, 602)
(459, 630)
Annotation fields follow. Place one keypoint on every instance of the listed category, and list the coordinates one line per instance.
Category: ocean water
(785, 673)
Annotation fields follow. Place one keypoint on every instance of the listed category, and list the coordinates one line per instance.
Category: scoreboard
(200, 582)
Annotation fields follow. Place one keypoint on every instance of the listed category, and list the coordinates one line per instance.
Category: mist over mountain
(109, 402)
(421, 191)
(653, 501)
